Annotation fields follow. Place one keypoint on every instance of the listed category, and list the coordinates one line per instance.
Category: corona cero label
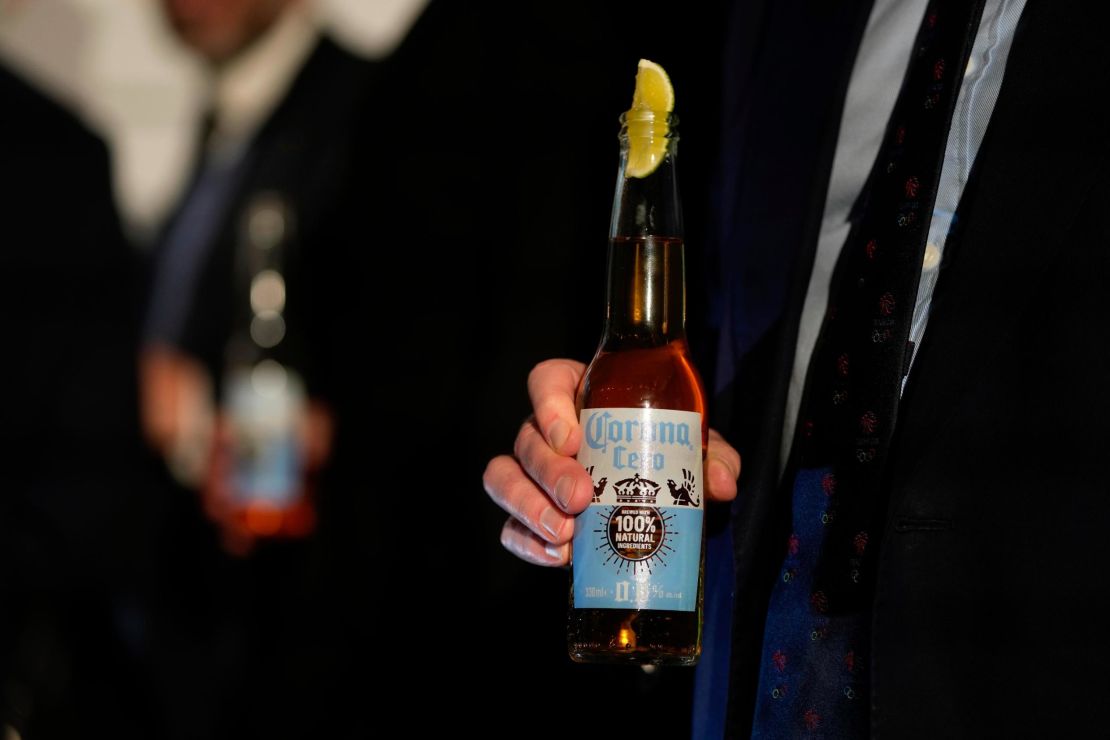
(638, 544)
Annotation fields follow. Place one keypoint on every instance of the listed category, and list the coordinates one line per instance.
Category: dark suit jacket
(992, 560)
(72, 509)
(66, 325)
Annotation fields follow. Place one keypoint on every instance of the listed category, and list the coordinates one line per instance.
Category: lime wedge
(653, 89)
(647, 124)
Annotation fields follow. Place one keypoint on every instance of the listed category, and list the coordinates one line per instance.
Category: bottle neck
(647, 283)
(259, 329)
(647, 204)
(647, 292)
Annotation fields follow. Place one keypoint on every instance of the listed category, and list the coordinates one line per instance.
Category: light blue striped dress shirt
(974, 106)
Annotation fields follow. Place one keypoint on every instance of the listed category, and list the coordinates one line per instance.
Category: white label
(638, 544)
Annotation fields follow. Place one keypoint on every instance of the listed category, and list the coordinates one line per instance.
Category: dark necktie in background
(813, 673)
(180, 257)
(863, 354)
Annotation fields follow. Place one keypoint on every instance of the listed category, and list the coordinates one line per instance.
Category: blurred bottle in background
(264, 476)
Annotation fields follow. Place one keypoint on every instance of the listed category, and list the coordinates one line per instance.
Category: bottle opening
(644, 122)
(645, 114)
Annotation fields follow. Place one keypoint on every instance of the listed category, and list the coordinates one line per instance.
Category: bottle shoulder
(654, 377)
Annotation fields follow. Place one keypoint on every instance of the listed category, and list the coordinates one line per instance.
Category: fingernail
(555, 551)
(564, 490)
(552, 521)
(557, 434)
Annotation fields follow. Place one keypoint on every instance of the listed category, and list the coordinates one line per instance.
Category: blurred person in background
(72, 509)
(235, 343)
(233, 266)
(322, 182)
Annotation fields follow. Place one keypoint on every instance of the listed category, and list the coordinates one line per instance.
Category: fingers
(542, 487)
(523, 543)
(516, 493)
(176, 410)
(551, 386)
(317, 430)
(562, 478)
(215, 493)
(217, 497)
(235, 539)
(722, 468)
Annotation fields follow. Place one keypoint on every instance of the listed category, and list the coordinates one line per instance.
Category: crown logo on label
(636, 490)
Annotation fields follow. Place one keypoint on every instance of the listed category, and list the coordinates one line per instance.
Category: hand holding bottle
(543, 487)
(636, 418)
(243, 518)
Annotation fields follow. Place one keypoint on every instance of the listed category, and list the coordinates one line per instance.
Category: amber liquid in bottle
(643, 362)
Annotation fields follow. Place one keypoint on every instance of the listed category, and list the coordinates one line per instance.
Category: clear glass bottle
(638, 552)
(263, 399)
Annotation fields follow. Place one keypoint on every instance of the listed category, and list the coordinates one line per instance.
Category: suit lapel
(1042, 151)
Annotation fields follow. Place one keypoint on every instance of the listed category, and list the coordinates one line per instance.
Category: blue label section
(266, 469)
(637, 557)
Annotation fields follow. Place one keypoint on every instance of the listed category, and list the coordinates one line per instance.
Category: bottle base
(264, 520)
(636, 637)
(635, 656)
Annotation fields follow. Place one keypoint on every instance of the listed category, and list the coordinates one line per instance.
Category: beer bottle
(638, 549)
(263, 398)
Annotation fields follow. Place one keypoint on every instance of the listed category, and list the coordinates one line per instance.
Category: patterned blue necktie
(814, 673)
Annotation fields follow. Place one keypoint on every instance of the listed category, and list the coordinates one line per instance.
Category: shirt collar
(247, 89)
